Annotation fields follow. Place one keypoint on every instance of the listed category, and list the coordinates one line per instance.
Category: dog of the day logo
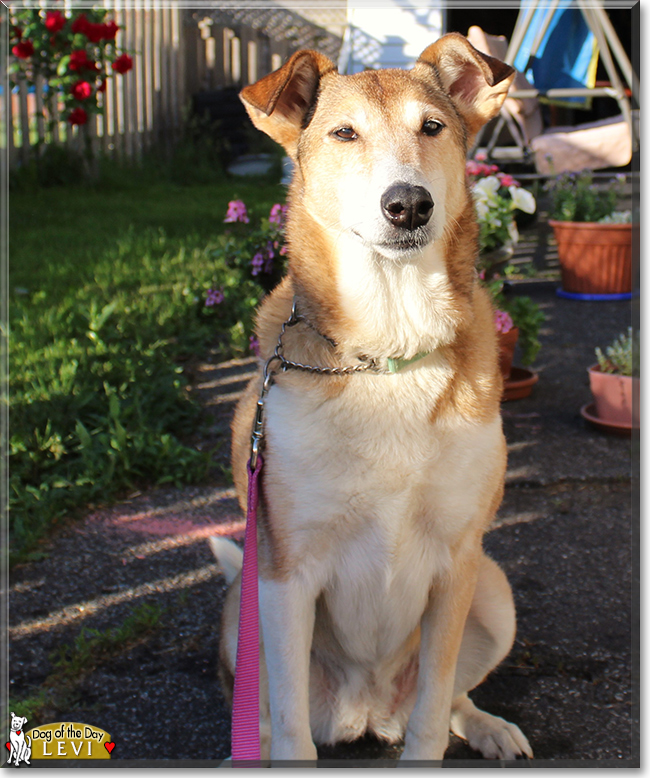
(62, 740)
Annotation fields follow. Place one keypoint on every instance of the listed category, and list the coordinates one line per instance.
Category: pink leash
(246, 696)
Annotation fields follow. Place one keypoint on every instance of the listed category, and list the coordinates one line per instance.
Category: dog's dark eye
(345, 133)
(432, 127)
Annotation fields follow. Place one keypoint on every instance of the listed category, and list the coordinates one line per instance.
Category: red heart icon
(8, 746)
(109, 747)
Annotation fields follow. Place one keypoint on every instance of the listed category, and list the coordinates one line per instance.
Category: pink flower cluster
(502, 321)
(474, 168)
(237, 212)
(507, 180)
(480, 169)
(278, 214)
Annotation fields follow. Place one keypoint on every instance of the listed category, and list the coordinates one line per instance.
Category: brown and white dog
(379, 610)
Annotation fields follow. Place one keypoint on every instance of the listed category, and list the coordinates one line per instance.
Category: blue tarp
(567, 55)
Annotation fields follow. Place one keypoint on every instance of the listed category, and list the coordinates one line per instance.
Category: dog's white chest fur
(378, 496)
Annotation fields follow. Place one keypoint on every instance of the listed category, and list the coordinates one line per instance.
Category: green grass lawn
(59, 236)
(106, 300)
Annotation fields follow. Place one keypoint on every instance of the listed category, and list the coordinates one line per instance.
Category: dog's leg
(427, 732)
(487, 640)
(287, 610)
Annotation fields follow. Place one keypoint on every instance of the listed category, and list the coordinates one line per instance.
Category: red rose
(54, 21)
(80, 24)
(122, 64)
(109, 30)
(18, 33)
(78, 60)
(102, 86)
(81, 90)
(94, 32)
(78, 116)
(23, 50)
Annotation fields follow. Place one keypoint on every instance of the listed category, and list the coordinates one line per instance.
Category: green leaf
(63, 65)
(83, 435)
(114, 406)
(98, 322)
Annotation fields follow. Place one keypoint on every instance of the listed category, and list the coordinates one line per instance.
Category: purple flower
(257, 262)
(214, 297)
(278, 214)
(237, 212)
(254, 345)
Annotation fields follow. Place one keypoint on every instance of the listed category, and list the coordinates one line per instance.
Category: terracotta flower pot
(507, 343)
(612, 396)
(594, 258)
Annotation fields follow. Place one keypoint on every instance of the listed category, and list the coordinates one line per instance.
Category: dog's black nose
(407, 206)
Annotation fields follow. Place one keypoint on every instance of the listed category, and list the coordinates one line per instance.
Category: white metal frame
(610, 48)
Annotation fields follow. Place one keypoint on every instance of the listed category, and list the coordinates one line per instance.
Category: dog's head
(17, 722)
(381, 154)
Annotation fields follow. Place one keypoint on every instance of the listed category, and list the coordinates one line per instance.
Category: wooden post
(165, 85)
(129, 87)
(177, 75)
(156, 47)
(148, 72)
(218, 35)
(190, 45)
(138, 80)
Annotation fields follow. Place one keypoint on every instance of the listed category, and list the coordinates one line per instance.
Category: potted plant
(517, 319)
(500, 202)
(611, 383)
(594, 241)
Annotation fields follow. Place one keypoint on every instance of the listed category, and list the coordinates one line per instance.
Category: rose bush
(74, 54)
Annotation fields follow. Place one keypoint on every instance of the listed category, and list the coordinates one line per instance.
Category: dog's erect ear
(478, 84)
(277, 103)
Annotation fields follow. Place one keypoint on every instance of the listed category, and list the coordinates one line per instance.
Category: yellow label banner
(69, 740)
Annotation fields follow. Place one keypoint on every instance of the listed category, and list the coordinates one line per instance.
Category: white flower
(513, 231)
(482, 209)
(487, 188)
(617, 217)
(522, 199)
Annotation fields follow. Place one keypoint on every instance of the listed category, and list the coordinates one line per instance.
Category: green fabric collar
(395, 365)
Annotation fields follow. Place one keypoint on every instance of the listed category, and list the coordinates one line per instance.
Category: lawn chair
(601, 144)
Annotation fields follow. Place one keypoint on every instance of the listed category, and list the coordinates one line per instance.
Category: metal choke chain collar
(288, 364)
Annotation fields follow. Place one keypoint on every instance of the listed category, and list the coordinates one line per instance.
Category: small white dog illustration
(21, 744)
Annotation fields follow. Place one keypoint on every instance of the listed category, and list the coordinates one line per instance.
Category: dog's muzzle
(406, 206)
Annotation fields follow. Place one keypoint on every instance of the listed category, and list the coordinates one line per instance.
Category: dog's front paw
(499, 740)
(493, 736)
